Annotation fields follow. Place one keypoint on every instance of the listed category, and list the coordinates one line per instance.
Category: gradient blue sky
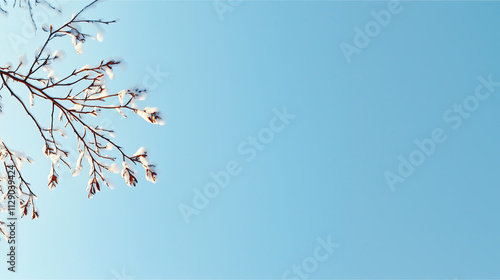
(322, 176)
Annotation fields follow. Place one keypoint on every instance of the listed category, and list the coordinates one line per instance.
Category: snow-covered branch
(72, 97)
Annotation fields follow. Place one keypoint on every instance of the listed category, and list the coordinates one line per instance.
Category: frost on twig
(72, 97)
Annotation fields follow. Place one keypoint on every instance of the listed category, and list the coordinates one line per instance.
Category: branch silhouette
(81, 93)
(27, 5)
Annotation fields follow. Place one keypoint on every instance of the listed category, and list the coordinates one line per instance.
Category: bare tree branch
(75, 95)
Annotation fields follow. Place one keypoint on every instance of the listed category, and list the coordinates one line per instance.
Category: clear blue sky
(321, 175)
